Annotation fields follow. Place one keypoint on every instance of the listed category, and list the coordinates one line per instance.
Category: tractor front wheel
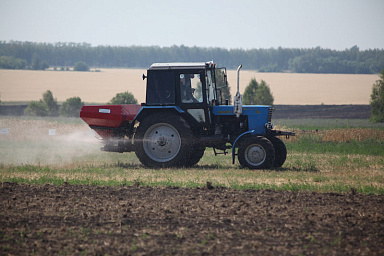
(256, 153)
(197, 154)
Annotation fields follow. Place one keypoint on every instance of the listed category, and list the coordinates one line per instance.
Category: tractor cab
(189, 87)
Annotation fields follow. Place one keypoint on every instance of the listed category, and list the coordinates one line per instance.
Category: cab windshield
(217, 86)
(211, 92)
(222, 85)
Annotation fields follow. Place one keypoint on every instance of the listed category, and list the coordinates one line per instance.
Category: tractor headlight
(269, 126)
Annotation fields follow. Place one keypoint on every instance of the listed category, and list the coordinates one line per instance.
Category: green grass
(301, 172)
(314, 144)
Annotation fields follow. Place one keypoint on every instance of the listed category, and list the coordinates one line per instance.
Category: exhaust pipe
(238, 98)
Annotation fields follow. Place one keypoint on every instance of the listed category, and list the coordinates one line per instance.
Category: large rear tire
(256, 153)
(197, 154)
(164, 140)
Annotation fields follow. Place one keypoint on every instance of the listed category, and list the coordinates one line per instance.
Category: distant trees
(71, 107)
(36, 108)
(10, 62)
(377, 100)
(313, 60)
(257, 94)
(38, 63)
(123, 98)
(80, 66)
(52, 106)
(47, 106)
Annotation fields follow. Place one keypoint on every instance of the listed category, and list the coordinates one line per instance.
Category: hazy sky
(334, 24)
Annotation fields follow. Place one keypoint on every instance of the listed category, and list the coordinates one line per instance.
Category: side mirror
(144, 76)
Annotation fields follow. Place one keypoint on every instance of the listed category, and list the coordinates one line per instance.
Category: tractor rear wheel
(163, 140)
(256, 153)
(280, 151)
(197, 154)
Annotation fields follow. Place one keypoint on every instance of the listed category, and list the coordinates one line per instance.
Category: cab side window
(160, 88)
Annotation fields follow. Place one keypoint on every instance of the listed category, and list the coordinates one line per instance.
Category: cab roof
(180, 65)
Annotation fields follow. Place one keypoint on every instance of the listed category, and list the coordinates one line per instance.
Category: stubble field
(100, 87)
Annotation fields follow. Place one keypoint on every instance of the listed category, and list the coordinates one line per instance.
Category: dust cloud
(46, 142)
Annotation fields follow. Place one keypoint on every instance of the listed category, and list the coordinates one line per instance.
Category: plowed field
(91, 220)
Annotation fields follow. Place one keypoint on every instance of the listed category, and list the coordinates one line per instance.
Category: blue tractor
(184, 114)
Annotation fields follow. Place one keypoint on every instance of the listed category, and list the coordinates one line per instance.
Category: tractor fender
(240, 137)
(147, 110)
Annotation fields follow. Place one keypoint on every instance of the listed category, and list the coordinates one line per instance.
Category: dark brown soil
(90, 220)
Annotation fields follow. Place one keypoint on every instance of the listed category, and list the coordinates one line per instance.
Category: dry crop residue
(74, 220)
(287, 88)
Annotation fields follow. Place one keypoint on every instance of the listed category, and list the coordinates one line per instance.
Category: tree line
(24, 55)
(48, 105)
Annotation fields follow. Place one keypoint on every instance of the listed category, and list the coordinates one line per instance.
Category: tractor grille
(271, 109)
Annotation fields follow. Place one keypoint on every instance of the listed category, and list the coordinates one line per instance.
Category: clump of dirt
(90, 220)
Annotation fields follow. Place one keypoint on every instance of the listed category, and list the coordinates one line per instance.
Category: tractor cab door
(192, 95)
